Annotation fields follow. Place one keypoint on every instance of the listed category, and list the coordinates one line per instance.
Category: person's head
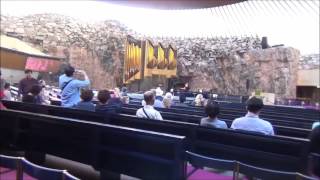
(28, 73)
(117, 92)
(7, 86)
(69, 71)
(154, 92)
(167, 102)
(182, 98)
(199, 100)
(125, 99)
(168, 95)
(86, 95)
(103, 96)
(254, 105)
(35, 90)
(149, 97)
(212, 109)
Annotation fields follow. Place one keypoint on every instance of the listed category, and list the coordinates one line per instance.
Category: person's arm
(139, 113)
(271, 130)
(158, 116)
(82, 83)
(233, 125)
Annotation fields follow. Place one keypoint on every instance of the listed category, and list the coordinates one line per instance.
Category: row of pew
(227, 114)
(142, 148)
(19, 168)
(282, 130)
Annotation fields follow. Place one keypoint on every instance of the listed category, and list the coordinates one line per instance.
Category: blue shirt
(252, 122)
(88, 106)
(70, 96)
(213, 123)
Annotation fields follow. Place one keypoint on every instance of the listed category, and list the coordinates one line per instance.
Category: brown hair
(103, 96)
(86, 95)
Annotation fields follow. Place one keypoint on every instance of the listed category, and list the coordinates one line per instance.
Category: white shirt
(152, 113)
(252, 122)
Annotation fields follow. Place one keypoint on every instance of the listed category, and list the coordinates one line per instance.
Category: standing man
(26, 83)
(70, 86)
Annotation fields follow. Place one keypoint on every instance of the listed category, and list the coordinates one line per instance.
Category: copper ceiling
(173, 4)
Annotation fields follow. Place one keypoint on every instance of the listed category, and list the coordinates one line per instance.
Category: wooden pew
(60, 111)
(138, 153)
(279, 120)
(281, 153)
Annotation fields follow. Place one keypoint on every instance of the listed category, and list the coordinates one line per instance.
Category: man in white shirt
(148, 111)
(252, 122)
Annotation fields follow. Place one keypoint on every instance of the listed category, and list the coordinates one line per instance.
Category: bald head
(149, 97)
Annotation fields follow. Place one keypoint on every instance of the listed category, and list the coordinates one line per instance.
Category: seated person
(159, 94)
(252, 122)
(167, 100)
(103, 106)
(199, 100)
(148, 111)
(86, 101)
(33, 95)
(115, 98)
(182, 99)
(6, 92)
(314, 164)
(157, 103)
(212, 109)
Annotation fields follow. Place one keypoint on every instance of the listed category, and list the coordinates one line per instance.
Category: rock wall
(235, 65)
(95, 48)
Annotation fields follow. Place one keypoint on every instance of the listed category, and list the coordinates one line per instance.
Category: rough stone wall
(226, 65)
(95, 48)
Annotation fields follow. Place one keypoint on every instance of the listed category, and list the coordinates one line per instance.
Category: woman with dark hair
(212, 110)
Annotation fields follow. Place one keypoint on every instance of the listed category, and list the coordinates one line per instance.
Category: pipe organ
(144, 59)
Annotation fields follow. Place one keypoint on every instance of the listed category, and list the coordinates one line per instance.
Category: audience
(70, 86)
(86, 100)
(116, 99)
(7, 94)
(212, 109)
(103, 105)
(148, 111)
(199, 100)
(157, 103)
(159, 94)
(26, 83)
(252, 122)
(167, 100)
(33, 95)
